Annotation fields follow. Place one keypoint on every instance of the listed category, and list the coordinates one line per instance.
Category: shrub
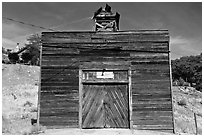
(36, 130)
(33, 109)
(181, 82)
(28, 103)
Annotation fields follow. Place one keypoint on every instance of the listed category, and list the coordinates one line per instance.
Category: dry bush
(37, 129)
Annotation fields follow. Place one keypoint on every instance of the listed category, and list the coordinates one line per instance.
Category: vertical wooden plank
(39, 90)
(130, 98)
(80, 98)
(170, 78)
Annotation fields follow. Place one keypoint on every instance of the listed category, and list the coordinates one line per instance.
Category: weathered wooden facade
(106, 80)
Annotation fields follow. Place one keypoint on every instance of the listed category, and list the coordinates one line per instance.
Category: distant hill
(188, 69)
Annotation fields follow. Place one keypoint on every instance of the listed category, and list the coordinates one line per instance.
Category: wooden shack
(106, 79)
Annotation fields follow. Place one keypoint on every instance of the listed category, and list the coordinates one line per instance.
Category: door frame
(129, 93)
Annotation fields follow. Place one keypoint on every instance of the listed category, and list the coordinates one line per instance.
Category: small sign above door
(104, 75)
(107, 75)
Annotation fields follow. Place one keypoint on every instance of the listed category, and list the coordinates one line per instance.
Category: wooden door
(105, 106)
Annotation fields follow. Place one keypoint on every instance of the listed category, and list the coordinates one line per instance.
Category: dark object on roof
(105, 20)
(108, 8)
(97, 12)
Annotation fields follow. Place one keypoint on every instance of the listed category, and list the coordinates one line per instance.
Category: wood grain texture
(105, 106)
(144, 52)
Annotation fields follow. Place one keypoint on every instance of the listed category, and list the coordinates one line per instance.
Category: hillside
(19, 98)
(186, 102)
(19, 102)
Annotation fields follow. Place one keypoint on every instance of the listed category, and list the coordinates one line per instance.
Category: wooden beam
(80, 98)
(170, 78)
(130, 97)
(39, 90)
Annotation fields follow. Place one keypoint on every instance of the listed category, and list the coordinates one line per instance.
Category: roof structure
(106, 20)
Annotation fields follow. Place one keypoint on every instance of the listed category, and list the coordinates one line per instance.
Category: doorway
(104, 99)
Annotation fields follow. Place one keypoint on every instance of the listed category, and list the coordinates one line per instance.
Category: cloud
(13, 33)
(182, 46)
(11, 30)
(7, 43)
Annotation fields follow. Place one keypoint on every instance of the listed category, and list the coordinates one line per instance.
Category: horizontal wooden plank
(164, 81)
(108, 37)
(105, 81)
(58, 74)
(154, 127)
(60, 91)
(147, 67)
(54, 104)
(147, 47)
(141, 31)
(150, 85)
(56, 88)
(151, 96)
(59, 83)
(159, 118)
(152, 91)
(150, 102)
(119, 65)
(76, 60)
(153, 87)
(152, 77)
(67, 100)
(55, 78)
(164, 61)
(68, 62)
(71, 67)
(62, 126)
(64, 110)
(71, 97)
(107, 40)
(148, 55)
(62, 118)
(151, 107)
(82, 57)
(46, 114)
(158, 108)
(148, 71)
(59, 79)
(58, 69)
(58, 121)
(148, 77)
(59, 49)
(60, 66)
(153, 122)
(57, 124)
(152, 113)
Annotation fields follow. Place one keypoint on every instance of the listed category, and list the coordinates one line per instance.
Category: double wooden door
(105, 106)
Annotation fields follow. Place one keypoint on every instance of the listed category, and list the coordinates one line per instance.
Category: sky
(182, 19)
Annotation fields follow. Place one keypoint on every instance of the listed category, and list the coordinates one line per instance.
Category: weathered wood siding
(146, 50)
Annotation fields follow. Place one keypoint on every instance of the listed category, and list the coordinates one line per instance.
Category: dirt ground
(101, 132)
